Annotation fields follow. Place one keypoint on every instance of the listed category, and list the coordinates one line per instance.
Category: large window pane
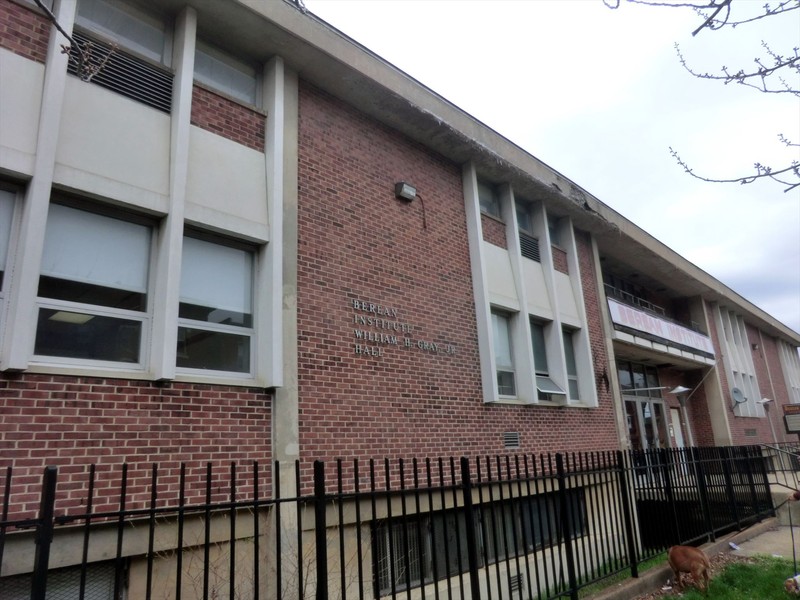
(216, 306)
(91, 259)
(216, 283)
(94, 259)
(85, 336)
(203, 349)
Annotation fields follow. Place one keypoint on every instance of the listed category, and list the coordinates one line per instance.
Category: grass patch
(762, 579)
(595, 588)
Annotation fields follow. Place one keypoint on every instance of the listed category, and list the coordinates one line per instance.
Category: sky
(600, 96)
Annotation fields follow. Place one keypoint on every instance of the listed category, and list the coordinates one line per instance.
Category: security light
(405, 191)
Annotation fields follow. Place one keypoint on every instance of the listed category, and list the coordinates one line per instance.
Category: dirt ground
(718, 563)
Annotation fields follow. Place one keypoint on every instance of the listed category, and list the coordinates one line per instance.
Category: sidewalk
(768, 537)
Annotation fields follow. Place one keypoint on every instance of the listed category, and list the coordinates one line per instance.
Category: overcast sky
(599, 95)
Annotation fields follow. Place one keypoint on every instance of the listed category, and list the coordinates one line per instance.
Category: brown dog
(688, 559)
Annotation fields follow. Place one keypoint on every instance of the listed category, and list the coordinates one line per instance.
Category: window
(638, 380)
(215, 315)
(504, 360)
(222, 72)
(137, 69)
(572, 368)
(92, 287)
(6, 214)
(490, 203)
(433, 546)
(553, 229)
(121, 23)
(547, 388)
(528, 244)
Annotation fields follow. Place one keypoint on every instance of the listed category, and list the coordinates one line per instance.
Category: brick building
(208, 255)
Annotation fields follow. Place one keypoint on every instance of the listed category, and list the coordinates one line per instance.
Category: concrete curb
(653, 579)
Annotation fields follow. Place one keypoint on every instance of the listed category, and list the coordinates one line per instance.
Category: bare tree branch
(767, 76)
(83, 57)
(761, 172)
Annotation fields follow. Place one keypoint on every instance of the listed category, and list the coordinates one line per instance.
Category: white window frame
(569, 347)
(144, 317)
(248, 332)
(496, 315)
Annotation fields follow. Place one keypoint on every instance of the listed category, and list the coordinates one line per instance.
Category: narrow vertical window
(547, 388)
(6, 214)
(490, 203)
(215, 315)
(504, 360)
(572, 369)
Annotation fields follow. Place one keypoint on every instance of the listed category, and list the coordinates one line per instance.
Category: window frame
(546, 388)
(143, 317)
(239, 330)
(504, 369)
(149, 18)
(492, 208)
(571, 364)
(232, 62)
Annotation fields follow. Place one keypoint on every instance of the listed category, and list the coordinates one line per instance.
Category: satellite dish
(738, 396)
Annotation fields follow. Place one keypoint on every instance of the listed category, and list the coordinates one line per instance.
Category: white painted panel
(565, 298)
(227, 185)
(536, 290)
(21, 83)
(500, 277)
(113, 146)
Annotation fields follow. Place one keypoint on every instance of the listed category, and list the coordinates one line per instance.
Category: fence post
(320, 530)
(44, 534)
(627, 514)
(471, 527)
(566, 526)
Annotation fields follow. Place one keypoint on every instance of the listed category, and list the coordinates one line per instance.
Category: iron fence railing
(544, 526)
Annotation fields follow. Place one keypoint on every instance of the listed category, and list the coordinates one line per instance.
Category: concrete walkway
(769, 537)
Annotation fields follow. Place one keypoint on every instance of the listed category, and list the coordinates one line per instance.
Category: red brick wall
(225, 117)
(24, 31)
(72, 422)
(560, 260)
(494, 231)
(358, 243)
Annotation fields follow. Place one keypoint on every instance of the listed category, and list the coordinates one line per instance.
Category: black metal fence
(543, 526)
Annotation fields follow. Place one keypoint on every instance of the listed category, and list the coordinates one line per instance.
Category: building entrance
(647, 423)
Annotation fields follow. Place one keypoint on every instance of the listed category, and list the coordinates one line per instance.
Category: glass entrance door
(647, 423)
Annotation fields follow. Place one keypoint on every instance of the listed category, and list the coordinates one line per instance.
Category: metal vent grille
(529, 247)
(511, 439)
(64, 584)
(125, 74)
(751, 433)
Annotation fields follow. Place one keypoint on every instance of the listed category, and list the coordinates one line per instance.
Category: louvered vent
(529, 247)
(125, 74)
(511, 439)
(516, 585)
(751, 432)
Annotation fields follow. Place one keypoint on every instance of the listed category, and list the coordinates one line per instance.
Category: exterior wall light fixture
(405, 191)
